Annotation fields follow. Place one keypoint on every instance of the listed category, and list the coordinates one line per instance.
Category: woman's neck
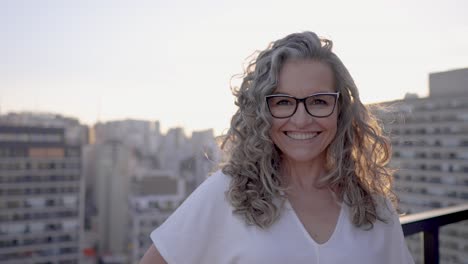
(303, 176)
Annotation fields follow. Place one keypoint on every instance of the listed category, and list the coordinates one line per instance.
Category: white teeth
(301, 136)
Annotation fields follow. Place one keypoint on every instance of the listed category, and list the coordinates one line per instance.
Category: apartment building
(155, 195)
(430, 150)
(41, 194)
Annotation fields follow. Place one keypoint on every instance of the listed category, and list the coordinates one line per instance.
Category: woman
(305, 180)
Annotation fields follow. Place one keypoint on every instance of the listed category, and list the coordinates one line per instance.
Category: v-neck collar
(334, 234)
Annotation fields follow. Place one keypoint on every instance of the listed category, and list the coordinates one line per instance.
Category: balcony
(428, 224)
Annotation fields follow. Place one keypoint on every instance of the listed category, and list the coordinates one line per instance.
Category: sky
(173, 61)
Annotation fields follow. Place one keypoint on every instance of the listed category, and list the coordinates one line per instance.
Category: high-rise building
(41, 194)
(108, 170)
(118, 149)
(430, 151)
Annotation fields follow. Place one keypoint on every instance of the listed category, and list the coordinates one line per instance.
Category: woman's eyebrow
(278, 93)
(319, 92)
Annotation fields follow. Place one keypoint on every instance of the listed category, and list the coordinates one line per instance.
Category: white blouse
(204, 230)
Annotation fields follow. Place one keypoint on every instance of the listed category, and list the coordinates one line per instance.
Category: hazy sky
(172, 61)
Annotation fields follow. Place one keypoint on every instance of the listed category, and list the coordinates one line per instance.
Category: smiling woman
(305, 180)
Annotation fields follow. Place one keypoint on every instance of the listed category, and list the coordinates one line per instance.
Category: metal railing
(429, 223)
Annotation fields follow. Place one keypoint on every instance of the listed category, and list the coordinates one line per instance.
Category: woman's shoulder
(219, 177)
(210, 193)
(385, 209)
(215, 184)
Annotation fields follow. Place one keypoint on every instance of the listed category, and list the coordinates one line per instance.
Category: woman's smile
(301, 135)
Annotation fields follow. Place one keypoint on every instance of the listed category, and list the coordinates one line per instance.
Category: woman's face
(303, 138)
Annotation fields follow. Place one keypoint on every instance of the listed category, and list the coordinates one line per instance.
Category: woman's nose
(301, 117)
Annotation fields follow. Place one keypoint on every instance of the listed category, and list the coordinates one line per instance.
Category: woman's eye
(319, 102)
(283, 102)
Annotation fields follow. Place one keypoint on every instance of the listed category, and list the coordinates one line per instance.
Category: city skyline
(62, 198)
(172, 62)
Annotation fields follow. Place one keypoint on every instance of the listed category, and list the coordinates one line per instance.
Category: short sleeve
(193, 229)
(397, 248)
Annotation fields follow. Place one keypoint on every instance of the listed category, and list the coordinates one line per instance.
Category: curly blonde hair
(356, 158)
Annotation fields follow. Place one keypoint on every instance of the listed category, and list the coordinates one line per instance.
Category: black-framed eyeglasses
(317, 105)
